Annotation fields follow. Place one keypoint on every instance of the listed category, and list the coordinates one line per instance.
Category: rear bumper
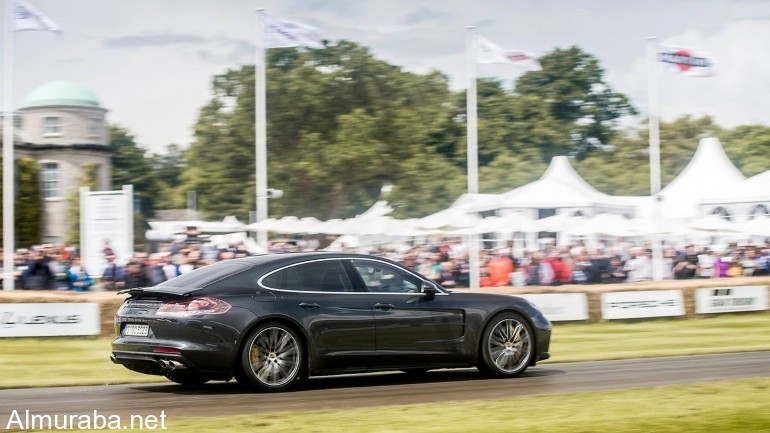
(153, 364)
(142, 357)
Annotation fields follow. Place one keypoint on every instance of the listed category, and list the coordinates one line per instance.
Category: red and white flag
(489, 52)
(685, 61)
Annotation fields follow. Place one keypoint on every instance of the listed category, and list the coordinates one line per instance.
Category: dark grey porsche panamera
(271, 321)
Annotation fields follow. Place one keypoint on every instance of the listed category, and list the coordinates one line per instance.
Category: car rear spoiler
(179, 291)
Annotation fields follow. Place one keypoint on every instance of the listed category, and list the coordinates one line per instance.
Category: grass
(60, 361)
(730, 406)
(664, 337)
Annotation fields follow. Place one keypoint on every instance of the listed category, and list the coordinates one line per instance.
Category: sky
(151, 62)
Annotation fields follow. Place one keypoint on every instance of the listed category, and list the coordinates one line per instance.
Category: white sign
(106, 218)
(49, 320)
(730, 299)
(560, 307)
(635, 305)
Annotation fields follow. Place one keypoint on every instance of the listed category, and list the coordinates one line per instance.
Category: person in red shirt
(561, 269)
(500, 268)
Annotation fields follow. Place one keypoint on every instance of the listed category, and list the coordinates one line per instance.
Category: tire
(507, 346)
(273, 358)
(187, 379)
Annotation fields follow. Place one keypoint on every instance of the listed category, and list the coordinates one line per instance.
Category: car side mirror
(429, 289)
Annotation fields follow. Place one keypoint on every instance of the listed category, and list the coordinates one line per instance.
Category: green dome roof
(60, 93)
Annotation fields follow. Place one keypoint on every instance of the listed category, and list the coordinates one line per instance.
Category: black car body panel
(352, 312)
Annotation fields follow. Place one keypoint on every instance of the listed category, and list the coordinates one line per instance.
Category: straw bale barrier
(109, 302)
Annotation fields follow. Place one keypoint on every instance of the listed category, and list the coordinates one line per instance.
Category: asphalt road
(219, 398)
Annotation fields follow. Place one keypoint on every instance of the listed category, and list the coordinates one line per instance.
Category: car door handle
(380, 306)
(309, 305)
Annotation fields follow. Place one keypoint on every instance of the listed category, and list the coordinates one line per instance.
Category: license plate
(136, 330)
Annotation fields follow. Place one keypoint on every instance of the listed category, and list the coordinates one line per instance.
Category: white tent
(560, 223)
(513, 223)
(603, 224)
(165, 231)
(457, 216)
(287, 224)
(560, 187)
(713, 223)
(745, 200)
(759, 226)
(710, 172)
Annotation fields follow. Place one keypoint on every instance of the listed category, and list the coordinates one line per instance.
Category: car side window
(242, 281)
(381, 277)
(320, 276)
(285, 279)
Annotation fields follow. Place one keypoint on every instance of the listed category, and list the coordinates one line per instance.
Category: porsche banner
(685, 61)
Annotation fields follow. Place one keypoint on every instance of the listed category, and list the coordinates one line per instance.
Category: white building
(63, 128)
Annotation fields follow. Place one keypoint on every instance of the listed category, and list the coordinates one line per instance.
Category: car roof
(289, 258)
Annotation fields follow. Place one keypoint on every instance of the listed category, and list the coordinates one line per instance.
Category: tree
(168, 168)
(509, 171)
(586, 108)
(340, 125)
(73, 210)
(748, 147)
(624, 167)
(28, 205)
(131, 167)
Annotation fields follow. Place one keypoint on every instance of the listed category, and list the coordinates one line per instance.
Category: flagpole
(654, 132)
(8, 161)
(260, 128)
(473, 158)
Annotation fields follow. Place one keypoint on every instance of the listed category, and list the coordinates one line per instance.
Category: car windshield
(206, 275)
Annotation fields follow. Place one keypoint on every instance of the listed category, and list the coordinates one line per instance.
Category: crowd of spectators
(58, 267)
(447, 263)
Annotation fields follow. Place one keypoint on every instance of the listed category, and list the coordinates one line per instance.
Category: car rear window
(206, 275)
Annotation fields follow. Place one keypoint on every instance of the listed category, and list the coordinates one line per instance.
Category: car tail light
(193, 307)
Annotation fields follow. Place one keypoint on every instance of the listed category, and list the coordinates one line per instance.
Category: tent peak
(561, 170)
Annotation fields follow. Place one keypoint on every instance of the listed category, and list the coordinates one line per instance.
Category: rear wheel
(507, 346)
(272, 358)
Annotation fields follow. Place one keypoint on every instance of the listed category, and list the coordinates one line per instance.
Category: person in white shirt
(706, 263)
(639, 266)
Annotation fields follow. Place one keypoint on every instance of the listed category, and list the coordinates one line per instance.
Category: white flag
(489, 52)
(280, 34)
(29, 18)
(685, 61)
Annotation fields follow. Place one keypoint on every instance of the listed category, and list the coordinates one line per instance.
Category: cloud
(213, 50)
(423, 15)
(153, 40)
(228, 51)
(735, 95)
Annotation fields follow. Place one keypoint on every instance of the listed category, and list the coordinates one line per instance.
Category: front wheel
(507, 346)
(272, 359)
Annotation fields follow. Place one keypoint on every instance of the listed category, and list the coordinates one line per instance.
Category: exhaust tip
(113, 359)
(176, 365)
(163, 364)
